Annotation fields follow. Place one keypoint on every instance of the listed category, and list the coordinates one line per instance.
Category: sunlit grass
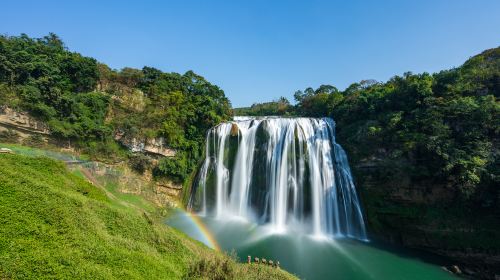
(55, 224)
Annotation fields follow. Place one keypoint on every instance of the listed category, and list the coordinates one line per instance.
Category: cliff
(21, 122)
(153, 146)
(428, 215)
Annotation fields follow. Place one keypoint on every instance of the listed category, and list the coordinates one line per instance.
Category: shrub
(35, 140)
(139, 163)
(173, 167)
(9, 136)
(213, 266)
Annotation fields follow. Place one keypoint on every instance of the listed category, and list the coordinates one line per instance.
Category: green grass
(56, 225)
(47, 151)
(109, 183)
(132, 199)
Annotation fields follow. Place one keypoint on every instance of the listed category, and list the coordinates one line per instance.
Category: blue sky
(258, 50)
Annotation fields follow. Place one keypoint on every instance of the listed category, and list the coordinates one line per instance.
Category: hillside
(152, 119)
(57, 225)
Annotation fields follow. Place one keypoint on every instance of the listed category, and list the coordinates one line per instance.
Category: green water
(311, 258)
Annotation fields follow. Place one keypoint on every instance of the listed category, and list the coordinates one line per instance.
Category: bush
(175, 168)
(139, 163)
(107, 150)
(9, 136)
(35, 140)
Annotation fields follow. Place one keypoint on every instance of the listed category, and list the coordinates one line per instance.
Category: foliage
(9, 136)
(35, 140)
(441, 128)
(177, 108)
(106, 151)
(139, 162)
(280, 107)
(176, 168)
(87, 102)
(53, 84)
(214, 268)
(444, 126)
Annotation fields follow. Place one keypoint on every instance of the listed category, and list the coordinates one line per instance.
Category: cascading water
(284, 172)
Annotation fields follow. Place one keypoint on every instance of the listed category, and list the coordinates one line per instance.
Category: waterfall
(287, 173)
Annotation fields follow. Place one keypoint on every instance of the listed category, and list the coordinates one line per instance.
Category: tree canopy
(87, 102)
(441, 127)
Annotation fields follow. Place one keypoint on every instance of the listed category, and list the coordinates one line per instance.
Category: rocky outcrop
(5, 151)
(162, 193)
(21, 122)
(155, 146)
(168, 191)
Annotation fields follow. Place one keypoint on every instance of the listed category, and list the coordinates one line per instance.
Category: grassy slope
(57, 225)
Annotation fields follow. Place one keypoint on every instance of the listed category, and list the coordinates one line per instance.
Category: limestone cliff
(22, 122)
(427, 215)
(155, 146)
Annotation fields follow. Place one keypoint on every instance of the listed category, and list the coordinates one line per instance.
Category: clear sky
(259, 50)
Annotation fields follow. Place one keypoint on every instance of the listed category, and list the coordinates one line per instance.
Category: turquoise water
(309, 257)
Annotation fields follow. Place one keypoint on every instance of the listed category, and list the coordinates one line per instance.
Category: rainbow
(208, 237)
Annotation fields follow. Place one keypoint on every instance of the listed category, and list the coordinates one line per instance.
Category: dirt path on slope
(94, 182)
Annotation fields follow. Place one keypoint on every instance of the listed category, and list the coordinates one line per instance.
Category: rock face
(168, 192)
(5, 151)
(234, 129)
(155, 146)
(21, 122)
(427, 215)
(161, 193)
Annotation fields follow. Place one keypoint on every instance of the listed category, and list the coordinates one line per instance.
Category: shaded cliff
(424, 151)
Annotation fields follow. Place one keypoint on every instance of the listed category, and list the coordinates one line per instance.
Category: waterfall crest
(282, 172)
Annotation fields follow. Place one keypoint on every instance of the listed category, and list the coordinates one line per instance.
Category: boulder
(156, 146)
(455, 269)
(5, 151)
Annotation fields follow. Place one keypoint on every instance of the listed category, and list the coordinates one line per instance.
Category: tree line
(440, 127)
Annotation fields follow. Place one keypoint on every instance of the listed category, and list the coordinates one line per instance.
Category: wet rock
(468, 271)
(446, 269)
(234, 129)
(455, 269)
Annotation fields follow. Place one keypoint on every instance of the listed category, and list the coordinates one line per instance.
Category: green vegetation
(442, 127)
(55, 85)
(86, 103)
(421, 146)
(57, 225)
(280, 107)
(179, 108)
